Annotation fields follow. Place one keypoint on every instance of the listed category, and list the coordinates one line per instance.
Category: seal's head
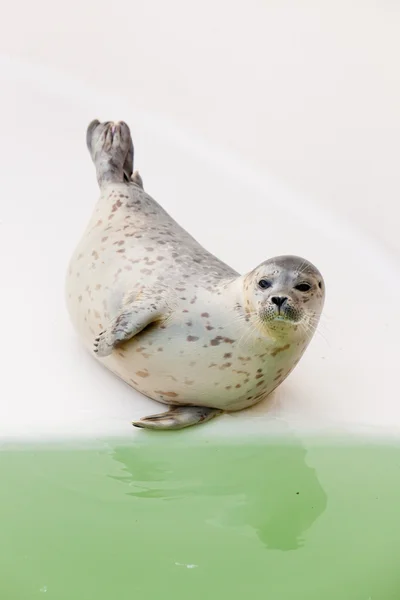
(285, 294)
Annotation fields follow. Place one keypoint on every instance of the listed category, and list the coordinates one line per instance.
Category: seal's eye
(264, 284)
(303, 287)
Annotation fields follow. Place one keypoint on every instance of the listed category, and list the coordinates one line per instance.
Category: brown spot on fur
(168, 394)
(259, 376)
(192, 338)
(228, 340)
(116, 205)
(142, 373)
(209, 327)
(228, 355)
(280, 349)
(238, 385)
(260, 383)
(216, 341)
(228, 387)
(205, 315)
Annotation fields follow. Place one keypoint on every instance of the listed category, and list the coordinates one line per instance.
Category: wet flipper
(178, 417)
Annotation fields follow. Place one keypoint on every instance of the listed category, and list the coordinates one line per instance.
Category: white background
(280, 120)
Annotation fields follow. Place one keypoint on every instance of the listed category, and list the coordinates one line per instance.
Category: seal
(168, 317)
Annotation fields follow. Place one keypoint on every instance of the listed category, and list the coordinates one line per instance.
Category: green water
(168, 518)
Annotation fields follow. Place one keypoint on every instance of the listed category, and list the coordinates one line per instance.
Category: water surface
(165, 518)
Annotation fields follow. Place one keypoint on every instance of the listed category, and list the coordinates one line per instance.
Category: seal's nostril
(279, 300)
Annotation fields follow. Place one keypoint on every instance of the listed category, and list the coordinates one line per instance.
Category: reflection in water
(267, 487)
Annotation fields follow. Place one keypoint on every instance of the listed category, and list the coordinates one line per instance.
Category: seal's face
(285, 293)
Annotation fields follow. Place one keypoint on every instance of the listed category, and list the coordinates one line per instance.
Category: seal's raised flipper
(111, 148)
(132, 319)
(178, 417)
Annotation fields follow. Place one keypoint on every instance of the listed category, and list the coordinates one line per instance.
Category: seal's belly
(171, 366)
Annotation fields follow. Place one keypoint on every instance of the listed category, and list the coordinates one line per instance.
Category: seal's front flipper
(132, 319)
(178, 417)
(111, 148)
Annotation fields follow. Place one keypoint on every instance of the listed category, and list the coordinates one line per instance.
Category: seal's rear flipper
(111, 148)
(178, 417)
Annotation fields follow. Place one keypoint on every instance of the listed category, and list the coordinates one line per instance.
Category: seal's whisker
(237, 319)
(310, 328)
(247, 335)
(316, 323)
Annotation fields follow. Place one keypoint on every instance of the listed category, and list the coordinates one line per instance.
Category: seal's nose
(278, 300)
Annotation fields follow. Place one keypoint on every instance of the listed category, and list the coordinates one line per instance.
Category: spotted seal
(168, 317)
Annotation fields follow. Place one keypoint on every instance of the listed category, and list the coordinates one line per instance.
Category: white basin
(348, 378)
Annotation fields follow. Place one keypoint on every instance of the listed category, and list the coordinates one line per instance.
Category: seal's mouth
(286, 314)
(281, 317)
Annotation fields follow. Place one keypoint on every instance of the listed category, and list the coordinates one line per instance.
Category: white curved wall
(291, 113)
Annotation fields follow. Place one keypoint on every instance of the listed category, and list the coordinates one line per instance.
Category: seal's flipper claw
(178, 417)
(111, 148)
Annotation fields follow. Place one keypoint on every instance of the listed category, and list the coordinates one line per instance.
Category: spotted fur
(168, 317)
